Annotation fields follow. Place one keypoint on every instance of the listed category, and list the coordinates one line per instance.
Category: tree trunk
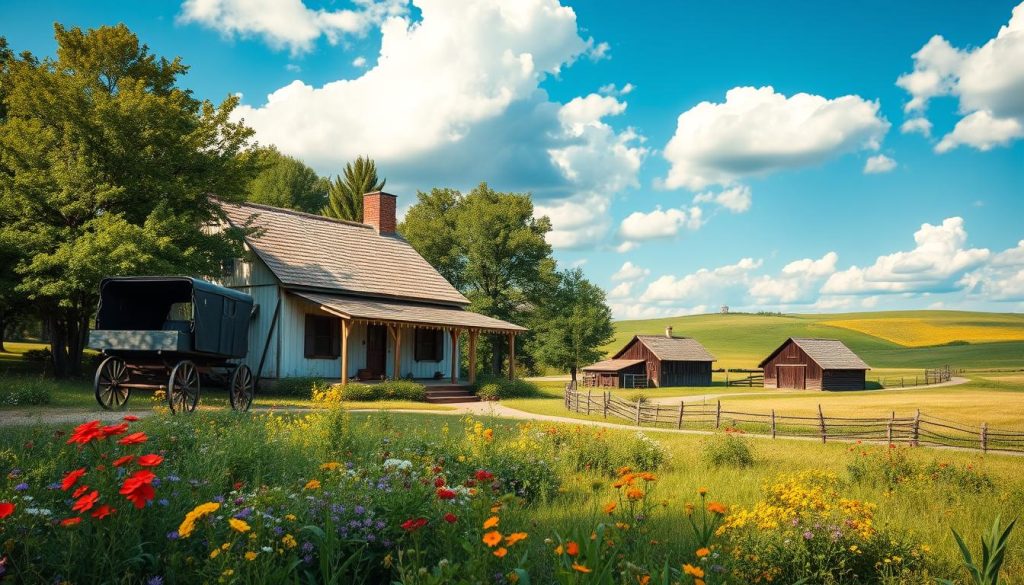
(68, 331)
(572, 372)
(57, 327)
(3, 333)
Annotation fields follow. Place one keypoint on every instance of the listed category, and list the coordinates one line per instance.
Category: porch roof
(612, 365)
(376, 310)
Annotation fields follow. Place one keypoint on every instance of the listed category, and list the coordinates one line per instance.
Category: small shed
(616, 374)
(814, 364)
(667, 361)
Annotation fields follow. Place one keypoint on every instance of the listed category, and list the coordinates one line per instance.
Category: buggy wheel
(241, 389)
(108, 384)
(183, 387)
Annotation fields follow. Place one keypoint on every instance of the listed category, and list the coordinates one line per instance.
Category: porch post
(455, 354)
(345, 330)
(511, 356)
(472, 355)
(397, 375)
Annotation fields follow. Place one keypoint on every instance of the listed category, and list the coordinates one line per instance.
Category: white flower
(37, 511)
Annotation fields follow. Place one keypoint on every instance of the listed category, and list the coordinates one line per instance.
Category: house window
(323, 337)
(429, 345)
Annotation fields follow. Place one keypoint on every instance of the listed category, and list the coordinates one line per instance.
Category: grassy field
(893, 339)
(561, 477)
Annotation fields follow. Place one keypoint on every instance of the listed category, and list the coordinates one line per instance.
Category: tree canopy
(285, 181)
(106, 168)
(573, 324)
(345, 194)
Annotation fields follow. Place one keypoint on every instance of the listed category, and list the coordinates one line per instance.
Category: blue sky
(689, 154)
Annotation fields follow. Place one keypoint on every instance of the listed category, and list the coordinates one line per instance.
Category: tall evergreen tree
(345, 194)
(109, 166)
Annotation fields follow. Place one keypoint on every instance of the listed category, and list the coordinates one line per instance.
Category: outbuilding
(814, 364)
(654, 360)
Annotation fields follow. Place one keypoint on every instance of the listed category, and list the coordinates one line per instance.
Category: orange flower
(79, 491)
(86, 432)
(717, 508)
(647, 476)
(123, 460)
(489, 434)
(102, 512)
(559, 550)
(138, 489)
(693, 571)
(70, 521)
(151, 460)
(643, 579)
(703, 552)
(634, 494)
(572, 549)
(313, 484)
(133, 439)
(514, 538)
(492, 538)
(131, 418)
(112, 430)
(491, 522)
(609, 507)
(501, 552)
(86, 502)
(622, 471)
(702, 491)
(580, 568)
(70, 479)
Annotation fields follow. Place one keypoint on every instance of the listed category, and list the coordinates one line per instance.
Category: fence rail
(918, 430)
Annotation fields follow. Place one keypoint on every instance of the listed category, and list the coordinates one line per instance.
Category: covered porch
(397, 339)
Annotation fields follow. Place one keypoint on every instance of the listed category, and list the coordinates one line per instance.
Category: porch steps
(450, 395)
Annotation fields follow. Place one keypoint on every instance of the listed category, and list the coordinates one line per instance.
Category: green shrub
(595, 450)
(21, 391)
(389, 390)
(727, 450)
(502, 388)
(891, 467)
(297, 386)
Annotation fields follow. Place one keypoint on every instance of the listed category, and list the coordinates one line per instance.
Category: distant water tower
(725, 309)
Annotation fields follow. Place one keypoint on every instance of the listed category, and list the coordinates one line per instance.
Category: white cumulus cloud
(1002, 279)
(736, 198)
(660, 223)
(797, 282)
(630, 271)
(756, 131)
(878, 164)
(708, 286)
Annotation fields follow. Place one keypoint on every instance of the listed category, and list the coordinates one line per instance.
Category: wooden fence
(918, 430)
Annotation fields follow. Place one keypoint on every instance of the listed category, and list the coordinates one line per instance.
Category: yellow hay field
(915, 332)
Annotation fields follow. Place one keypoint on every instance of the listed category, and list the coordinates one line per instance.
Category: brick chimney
(379, 211)
(668, 332)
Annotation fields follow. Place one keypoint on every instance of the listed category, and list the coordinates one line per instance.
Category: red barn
(654, 360)
(814, 364)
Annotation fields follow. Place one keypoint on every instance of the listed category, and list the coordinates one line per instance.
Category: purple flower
(243, 513)
(163, 502)
(172, 535)
(308, 559)
(808, 535)
(307, 547)
(381, 524)
(54, 486)
(156, 580)
(359, 510)
(239, 501)
(172, 478)
(218, 499)
(156, 482)
(278, 531)
(21, 487)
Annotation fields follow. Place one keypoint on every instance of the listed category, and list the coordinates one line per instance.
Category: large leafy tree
(573, 324)
(109, 166)
(491, 247)
(285, 181)
(345, 194)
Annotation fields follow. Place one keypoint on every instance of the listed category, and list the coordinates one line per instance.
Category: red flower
(6, 509)
(446, 494)
(86, 432)
(438, 481)
(123, 460)
(70, 521)
(79, 491)
(86, 502)
(238, 485)
(469, 483)
(414, 524)
(102, 512)
(131, 418)
(482, 475)
(112, 430)
(151, 460)
(451, 518)
(70, 479)
(133, 439)
(137, 488)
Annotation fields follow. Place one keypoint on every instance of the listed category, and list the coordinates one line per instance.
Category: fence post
(588, 402)
(657, 413)
(901, 381)
(679, 422)
(888, 428)
(984, 437)
(821, 418)
(637, 412)
(917, 428)
(606, 396)
(773, 423)
(718, 415)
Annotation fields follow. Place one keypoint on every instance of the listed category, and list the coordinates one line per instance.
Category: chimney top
(668, 331)
(379, 211)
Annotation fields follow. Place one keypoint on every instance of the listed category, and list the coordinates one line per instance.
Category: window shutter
(310, 333)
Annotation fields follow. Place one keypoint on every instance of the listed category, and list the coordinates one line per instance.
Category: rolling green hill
(890, 339)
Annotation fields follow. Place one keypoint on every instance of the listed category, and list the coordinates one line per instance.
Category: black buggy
(167, 333)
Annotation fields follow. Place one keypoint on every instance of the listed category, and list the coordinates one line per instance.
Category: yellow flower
(188, 525)
(609, 507)
(239, 525)
(580, 568)
(214, 553)
(514, 538)
(489, 434)
(500, 552)
(702, 491)
(251, 556)
(703, 552)
(289, 517)
(492, 538)
(693, 571)
(289, 541)
(330, 466)
(225, 546)
(313, 484)
(491, 522)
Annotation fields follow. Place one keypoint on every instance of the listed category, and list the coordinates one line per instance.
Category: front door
(790, 377)
(376, 349)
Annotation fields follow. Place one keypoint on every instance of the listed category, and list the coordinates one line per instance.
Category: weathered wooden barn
(814, 364)
(343, 300)
(654, 360)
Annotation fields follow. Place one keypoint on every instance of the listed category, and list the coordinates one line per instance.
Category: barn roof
(312, 251)
(611, 365)
(672, 349)
(830, 354)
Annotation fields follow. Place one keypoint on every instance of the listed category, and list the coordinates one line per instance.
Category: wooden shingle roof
(673, 349)
(611, 365)
(829, 354)
(306, 250)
